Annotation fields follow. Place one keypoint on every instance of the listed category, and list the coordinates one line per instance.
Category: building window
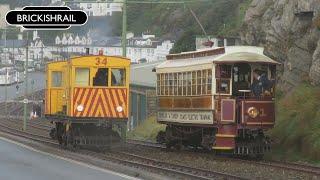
(118, 77)
(82, 77)
(56, 79)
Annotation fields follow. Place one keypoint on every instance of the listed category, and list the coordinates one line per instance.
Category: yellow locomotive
(87, 99)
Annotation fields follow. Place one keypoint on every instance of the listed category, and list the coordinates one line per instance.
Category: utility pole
(25, 101)
(124, 28)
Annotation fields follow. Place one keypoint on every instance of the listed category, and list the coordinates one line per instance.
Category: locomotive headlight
(80, 108)
(253, 112)
(119, 109)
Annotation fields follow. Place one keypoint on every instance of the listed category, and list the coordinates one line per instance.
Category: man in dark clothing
(260, 83)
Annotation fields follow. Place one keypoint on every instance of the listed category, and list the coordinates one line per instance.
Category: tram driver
(261, 84)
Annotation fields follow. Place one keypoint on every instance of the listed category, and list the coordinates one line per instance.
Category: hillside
(290, 32)
(219, 17)
(174, 21)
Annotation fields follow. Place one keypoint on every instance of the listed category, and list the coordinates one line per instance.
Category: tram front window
(241, 78)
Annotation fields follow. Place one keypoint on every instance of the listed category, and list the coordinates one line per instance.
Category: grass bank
(297, 131)
(148, 130)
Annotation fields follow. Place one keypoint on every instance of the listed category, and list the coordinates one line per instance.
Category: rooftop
(141, 74)
(229, 54)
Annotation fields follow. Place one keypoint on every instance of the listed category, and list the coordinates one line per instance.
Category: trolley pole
(124, 28)
(6, 77)
(25, 101)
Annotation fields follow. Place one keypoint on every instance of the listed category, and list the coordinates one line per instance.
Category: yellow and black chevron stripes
(100, 102)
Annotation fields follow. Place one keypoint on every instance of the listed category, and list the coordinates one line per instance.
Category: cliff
(289, 31)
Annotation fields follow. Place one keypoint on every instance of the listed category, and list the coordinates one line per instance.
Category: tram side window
(101, 77)
(158, 84)
(180, 84)
(56, 79)
(223, 75)
(162, 84)
(82, 77)
(184, 85)
(223, 86)
(209, 81)
(190, 83)
(118, 77)
(194, 83)
(175, 84)
(223, 71)
(171, 85)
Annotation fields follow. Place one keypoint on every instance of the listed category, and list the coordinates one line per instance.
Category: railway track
(19, 133)
(127, 159)
(178, 171)
(314, 170)
(135, 160)
(145, 143)
(291, 166)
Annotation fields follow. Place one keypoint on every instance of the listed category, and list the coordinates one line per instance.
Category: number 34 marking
(100, 61)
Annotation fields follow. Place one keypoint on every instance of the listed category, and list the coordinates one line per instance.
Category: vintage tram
(87, 99)
(206, 99)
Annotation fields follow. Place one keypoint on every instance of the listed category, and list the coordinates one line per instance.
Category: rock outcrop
(290, 32)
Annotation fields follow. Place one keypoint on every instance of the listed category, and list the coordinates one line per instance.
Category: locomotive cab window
(82, 77)
(101, 77)
(56, 80)
(118, 77)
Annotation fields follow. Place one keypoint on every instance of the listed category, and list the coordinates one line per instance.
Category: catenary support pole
(124, 28)
(25, 108)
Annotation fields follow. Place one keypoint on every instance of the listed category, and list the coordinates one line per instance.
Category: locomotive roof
(225, 55)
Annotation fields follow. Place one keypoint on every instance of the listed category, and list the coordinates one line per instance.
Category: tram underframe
(247, 143)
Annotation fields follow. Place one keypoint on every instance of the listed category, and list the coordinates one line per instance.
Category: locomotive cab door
(57, 92)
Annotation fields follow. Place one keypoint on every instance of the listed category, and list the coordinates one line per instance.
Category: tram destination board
(194, 117)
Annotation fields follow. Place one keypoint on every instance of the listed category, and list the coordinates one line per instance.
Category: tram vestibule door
(241, 78)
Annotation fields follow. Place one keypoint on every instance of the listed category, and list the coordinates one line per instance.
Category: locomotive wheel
(70, 141)
(59, 133)
(53, 133)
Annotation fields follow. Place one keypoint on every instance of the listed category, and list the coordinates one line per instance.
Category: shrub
(298, 122)
(148, 130)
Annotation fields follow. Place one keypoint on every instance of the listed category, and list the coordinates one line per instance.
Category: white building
(100, 8)
(4, 8)
(147, 47)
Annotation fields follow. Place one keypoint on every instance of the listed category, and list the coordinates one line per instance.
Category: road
(18, 162)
